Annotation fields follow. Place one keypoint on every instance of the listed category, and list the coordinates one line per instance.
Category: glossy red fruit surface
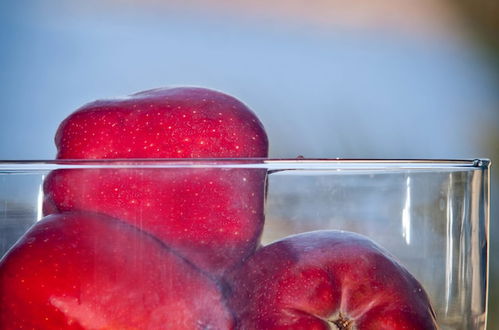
(212, 216)
(183, 122)
(87, 271)
(328, 280)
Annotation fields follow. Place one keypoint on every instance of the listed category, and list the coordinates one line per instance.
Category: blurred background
(328, 78)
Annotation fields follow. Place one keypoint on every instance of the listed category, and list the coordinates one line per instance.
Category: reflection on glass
(406, 213)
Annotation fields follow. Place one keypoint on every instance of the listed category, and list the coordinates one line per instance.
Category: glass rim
(264, 163)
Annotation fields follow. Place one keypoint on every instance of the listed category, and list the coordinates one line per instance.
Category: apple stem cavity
(342, 323)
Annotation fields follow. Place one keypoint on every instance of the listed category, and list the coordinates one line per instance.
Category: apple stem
(343, 323)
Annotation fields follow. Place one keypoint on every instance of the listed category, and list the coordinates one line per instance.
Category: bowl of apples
(162, 210)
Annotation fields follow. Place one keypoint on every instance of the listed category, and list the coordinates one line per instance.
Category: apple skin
(212, 216)
(86, 271)
(182, 122)
(327, 280)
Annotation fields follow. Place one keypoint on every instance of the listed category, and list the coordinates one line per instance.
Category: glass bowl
(431, 215)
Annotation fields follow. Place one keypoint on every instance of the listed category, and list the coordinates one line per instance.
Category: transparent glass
(431, 215)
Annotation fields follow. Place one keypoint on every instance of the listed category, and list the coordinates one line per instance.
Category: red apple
(184, 122)
(87, 271)
(328, 280)
(213, 217)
